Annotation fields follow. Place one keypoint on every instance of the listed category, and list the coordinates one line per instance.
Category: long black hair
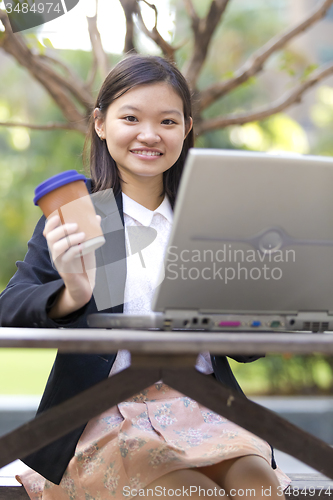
(132, 71)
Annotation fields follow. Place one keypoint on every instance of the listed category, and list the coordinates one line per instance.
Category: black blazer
(28, 298)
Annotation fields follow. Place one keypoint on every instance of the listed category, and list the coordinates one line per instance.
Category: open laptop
(251, 247)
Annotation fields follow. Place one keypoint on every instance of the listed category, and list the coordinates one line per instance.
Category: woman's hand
(77, 271)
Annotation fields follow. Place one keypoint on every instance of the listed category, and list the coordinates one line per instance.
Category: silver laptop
(251, 248)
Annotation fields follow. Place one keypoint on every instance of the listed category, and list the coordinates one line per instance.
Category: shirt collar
(143, 214)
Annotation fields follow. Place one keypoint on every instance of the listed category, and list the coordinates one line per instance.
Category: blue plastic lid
(57, 181)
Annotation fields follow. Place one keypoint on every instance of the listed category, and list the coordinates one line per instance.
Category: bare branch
(51, 80)
(130, 7)
(195, 19)
(97, 47)
(285, 101)
(154, 34)
(256, 62)
(203, 30)
(72, 82)
(59, 63)
(47, 126)
(92, 74)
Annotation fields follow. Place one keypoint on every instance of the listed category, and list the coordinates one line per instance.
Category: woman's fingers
(62, 246)
(64, 243)
(69, 262)
(60, 232)
(51, 223)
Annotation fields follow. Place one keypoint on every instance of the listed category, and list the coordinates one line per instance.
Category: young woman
(140, 134)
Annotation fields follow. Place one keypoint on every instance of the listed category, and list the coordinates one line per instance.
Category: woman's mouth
(147, 153)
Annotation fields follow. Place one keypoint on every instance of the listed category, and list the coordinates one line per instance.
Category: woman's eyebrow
(128, 107)
(171, 111)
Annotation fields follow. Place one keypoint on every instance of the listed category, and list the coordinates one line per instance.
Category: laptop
(251, 247)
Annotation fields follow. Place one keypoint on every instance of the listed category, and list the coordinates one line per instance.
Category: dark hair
(132, 71)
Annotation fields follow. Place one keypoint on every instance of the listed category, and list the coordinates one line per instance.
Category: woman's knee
(251, 476)
(182, 483)
(244, 477)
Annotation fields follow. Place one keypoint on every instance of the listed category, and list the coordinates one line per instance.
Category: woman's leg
(184, 483)
(246, 477)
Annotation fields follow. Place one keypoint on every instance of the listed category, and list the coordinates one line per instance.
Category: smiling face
(144, 130)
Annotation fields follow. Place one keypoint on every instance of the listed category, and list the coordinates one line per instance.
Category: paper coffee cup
(66, 195)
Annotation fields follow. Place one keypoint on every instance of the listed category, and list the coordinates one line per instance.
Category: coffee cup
(66, 195)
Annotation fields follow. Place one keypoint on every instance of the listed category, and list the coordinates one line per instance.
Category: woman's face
(144, 130)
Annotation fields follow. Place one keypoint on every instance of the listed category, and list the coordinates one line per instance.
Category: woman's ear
(99, 123)
(188, 127)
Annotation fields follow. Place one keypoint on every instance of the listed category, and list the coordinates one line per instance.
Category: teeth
(146, 153)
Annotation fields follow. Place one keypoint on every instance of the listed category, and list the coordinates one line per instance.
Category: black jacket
(26, 301)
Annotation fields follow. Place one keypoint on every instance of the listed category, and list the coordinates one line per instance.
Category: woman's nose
(148, 134)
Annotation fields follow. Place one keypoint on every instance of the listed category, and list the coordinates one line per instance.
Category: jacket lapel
(111, 257)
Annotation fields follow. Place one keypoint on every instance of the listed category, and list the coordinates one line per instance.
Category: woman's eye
(130, 118)
(168, 122)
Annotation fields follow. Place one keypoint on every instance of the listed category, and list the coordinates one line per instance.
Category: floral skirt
(127, 447)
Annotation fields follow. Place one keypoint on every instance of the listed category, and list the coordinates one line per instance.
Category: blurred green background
(30, 156)
(25, 371)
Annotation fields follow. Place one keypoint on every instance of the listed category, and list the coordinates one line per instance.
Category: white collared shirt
(144, 266)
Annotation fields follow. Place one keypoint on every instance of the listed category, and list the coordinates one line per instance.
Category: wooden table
(169, 356)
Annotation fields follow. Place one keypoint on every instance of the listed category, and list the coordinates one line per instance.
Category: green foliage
(287, 62)
(34, 44)
(322, 117)
(277, 133)
(27, 158)
(286, 375)
(308, 71)
(25, 371)
(21, 171)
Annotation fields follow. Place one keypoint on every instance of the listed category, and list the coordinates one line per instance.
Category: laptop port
(167, 324)
(194, 321)
(186, 322)
(205, 321)
(230, 323)
(255, 323)
(275, 324)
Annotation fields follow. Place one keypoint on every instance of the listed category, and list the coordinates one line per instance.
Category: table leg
(71, 414)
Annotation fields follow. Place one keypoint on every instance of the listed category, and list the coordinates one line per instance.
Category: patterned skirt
(127, 447)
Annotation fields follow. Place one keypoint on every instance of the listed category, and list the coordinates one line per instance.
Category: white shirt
(145, 251)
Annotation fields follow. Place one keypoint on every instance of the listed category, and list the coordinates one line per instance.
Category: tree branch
(203, 30)
(167, 49)
(98, 51)
(92, 74)
(130, 7)
(289, 98)
(15, 45)
(256, 62)
(71, 82)
(47, 126)
(51, 80)
(195, 19)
